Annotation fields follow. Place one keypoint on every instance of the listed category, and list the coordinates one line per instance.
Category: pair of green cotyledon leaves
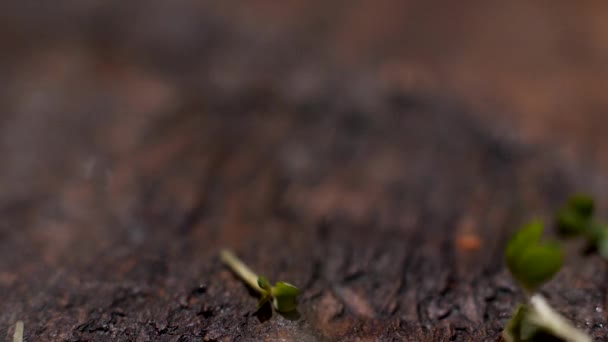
(576, 219)
(282, 295)
(533, 261)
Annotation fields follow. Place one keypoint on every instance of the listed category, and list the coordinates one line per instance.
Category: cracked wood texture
(378, 154)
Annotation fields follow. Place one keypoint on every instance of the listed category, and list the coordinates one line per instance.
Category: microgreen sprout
(532, 263)
(282, 295)
(538, 321)
(576, 219)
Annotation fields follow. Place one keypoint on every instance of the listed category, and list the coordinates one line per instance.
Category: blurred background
(538, 68)
(133, 128)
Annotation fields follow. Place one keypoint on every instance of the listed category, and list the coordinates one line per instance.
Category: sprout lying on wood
(282, 295)
(537, 321)
(534, 262)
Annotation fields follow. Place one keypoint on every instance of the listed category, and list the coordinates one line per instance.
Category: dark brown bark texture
(350, 149)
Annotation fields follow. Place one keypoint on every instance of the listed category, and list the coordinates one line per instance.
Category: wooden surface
(377, 155)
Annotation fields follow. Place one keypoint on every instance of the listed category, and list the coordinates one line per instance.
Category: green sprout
(532, 263)
(538, 321)
(282, 295)
(576, 219)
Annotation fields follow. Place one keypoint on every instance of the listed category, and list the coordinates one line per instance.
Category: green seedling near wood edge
(582, 204)
(570, 224)
(537, 321)
(576, 219)
(532, 261)
(282, 295)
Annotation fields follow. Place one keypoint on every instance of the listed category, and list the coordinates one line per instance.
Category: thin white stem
(18, 336)
(238, 267)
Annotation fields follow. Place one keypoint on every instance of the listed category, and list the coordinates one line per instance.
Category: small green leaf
(531, 261)
(575, 218)
(285, 296)
(538, 264)
(570, 223)
(263, 283)
(583, 205)
(285, 304)
(282, 288)
(529, 235)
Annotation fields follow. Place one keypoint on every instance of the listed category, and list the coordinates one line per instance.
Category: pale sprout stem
(241, 269)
